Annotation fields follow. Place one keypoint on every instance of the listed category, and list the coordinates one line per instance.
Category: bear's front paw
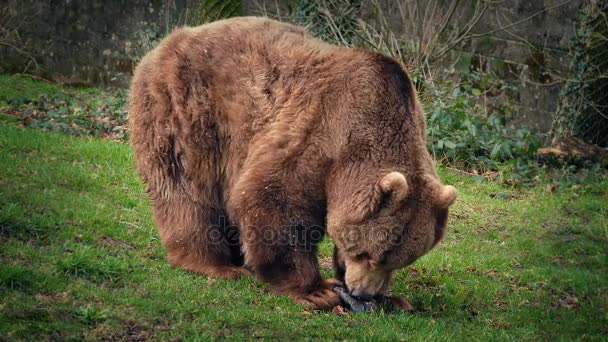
(323, 298)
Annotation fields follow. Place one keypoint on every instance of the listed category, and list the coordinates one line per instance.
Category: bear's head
(388, 227)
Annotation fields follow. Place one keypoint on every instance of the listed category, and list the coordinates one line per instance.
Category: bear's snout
(366, 281)
(360, 294)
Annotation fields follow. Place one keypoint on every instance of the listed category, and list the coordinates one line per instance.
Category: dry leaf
(42, 297)
(402, 304)
(569, 302)
(326, 263)
(515, 264)
(339, 310)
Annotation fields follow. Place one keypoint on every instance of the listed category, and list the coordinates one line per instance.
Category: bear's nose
(360, 294)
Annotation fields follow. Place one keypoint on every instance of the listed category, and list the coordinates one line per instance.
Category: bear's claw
(323, 298)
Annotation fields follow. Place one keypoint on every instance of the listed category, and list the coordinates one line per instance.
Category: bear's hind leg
(197, 239)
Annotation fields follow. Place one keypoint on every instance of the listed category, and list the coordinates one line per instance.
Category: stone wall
(92, 42)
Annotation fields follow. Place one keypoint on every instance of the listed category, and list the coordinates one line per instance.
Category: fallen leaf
(211, 281)
(114, 241)
(306, 313)
(41, 297)
(339, 310)
(500, 325)
(569, 302)
(402, 304)
(413, 272)
(502, 195)
(550, 188)
(326, 263)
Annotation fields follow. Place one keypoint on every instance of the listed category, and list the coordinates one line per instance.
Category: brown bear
(254, 139)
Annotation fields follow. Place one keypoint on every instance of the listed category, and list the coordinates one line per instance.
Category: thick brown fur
(254, 138)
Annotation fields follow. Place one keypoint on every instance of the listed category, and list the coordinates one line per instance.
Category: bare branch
(534, 15)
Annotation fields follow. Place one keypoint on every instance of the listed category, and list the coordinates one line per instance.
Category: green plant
(91, 314)
(211, 10)
(461, 131)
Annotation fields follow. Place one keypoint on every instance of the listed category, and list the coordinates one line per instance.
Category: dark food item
(357, 304)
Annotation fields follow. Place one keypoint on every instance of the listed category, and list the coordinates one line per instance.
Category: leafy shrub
(461, 132)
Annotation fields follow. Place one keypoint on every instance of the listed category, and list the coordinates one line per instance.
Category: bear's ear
(392, 188)
(387, 192)
(446, 196)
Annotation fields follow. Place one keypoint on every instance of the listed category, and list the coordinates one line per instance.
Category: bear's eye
(362, 256)
(384, 259)
(442, 218)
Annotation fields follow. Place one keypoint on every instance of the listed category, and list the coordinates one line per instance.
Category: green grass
(20, 86)
(81, 259)
(15, 87)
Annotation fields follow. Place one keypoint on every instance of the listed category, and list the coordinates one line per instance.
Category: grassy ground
(80, 259)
